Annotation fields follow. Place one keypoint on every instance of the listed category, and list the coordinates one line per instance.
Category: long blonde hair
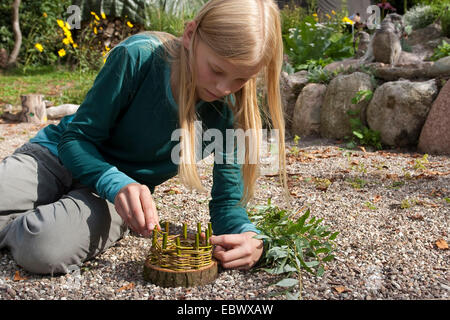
(247, 33)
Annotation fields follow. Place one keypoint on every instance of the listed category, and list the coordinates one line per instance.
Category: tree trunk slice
(190, 278)
(33, 109)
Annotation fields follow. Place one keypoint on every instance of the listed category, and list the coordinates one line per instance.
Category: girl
(74, 189)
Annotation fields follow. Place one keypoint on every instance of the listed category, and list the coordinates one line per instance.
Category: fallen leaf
(363, 149)
(376, 198)
(341, 289)
(417, 216)
(442, 244)
(173, 190)
(437, 173)
(18, 277)
(126, 287)
(392, 176)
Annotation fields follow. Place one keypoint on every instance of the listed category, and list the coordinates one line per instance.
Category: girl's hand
(240, 251)
(134, 203)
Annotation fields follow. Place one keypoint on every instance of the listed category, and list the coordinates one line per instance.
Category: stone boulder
(363, 43)
(290, 87)
(334, 119)
(343, 65)
(435, 135)
(408, 58)
(398, 110)
(306, 120)
(424, 41)
(386, 46)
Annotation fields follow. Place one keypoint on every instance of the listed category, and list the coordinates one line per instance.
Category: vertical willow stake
(185, 231)
(210, 229)
(167, 227)
(164, 246)
(178, 245)
(197, 241)
(199, 228)
(207, 237)
(155, 239)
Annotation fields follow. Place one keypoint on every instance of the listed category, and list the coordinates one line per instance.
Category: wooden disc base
(189, 278)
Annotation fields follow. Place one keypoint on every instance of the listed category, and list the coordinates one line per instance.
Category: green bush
(420, 16)
(445, 22)
(443, 50)
(134, 10)
(38, 25)
(313, 41)
(291, 17)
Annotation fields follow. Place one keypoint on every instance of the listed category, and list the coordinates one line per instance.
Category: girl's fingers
(243, 263)
(149, 211)
(230, 255)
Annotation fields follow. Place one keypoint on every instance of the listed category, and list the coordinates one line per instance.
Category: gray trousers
(50, 222)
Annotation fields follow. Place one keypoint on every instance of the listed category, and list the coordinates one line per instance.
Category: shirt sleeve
(228, 216)
(78, 147)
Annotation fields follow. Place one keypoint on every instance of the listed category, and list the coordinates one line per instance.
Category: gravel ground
(393, 217)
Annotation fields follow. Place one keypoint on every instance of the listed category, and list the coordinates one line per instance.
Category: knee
(43, 250)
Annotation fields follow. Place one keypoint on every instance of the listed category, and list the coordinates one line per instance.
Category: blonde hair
(247, 33)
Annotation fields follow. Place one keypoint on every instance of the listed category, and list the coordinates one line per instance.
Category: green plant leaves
(292, 244)
(288, 282)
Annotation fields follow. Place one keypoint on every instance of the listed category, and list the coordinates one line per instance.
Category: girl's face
(217, 77)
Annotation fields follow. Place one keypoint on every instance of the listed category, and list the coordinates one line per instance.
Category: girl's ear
(188, 33)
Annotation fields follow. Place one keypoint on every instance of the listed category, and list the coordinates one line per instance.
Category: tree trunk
(191, 278)
(17, 33)
(33, 109)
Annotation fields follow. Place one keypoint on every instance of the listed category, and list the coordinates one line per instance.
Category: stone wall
(410, 102)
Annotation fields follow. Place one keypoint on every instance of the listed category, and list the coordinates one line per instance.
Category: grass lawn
(58, 84)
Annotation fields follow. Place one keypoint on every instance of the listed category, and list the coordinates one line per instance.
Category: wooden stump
(189, 278)
(33, 109)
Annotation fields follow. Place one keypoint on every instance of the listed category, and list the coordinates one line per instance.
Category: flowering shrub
(312, 40)
(420, 16)
(37, 23)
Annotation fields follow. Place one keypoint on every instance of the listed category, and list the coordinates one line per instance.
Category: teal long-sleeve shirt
(122, 132)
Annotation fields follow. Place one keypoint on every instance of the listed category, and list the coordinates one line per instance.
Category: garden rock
(440, 68)
(363, 44)
(343, 65)
(423, 70)
(398, 110)
(306, 120)
(290, 87)
(424, 41)
(435, 135)
(61, 111)
(386, 45)
(408, 58)
(334, 119)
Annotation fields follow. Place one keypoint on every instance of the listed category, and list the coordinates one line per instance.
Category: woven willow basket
(180, 252)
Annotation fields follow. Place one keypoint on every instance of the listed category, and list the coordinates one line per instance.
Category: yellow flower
(95, 15)
(314, 14)
(60, 23)
(95, 30)
(328, 16)
(62, 52)
(103, 15)
(333, 12)
(39, 47)
(130, 24)
(67, 26)
(347, 20)
(104, 60)
(74, 45)
(45, 15)
(66, 41)
(107, 48)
